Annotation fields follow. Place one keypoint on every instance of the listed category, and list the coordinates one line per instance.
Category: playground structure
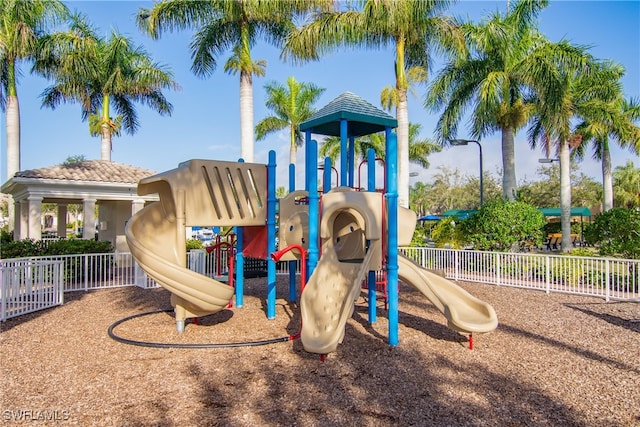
(345, 237)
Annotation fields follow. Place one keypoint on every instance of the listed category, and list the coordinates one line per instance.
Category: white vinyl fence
(608, 278)
(30, 284)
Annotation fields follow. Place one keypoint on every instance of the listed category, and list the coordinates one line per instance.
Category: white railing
(30, 286)
(608, 278)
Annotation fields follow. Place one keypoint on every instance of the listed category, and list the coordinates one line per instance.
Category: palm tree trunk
(509, 185)
(246, 116)
(607, 180)
(13, 136)
(293, 148)
(402, 115)
(105, 143)
(105, 131)
(565, 196)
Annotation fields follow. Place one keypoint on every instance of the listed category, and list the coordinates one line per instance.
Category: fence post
(607, 281)
(547, 274)
(498, 275)
(3, 296)
(456, 261)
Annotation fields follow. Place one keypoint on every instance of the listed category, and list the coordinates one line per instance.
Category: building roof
(363, 118)
(90, 171)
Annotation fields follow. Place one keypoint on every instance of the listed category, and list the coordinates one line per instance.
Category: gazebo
(109, 185)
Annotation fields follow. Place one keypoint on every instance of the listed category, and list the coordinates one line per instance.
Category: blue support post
(271, 235)
(343, 152)
(392, 233)
(351, 160)
(239, 282)
(326, 187)
(292, 264)
(371, 186)
(312, 188)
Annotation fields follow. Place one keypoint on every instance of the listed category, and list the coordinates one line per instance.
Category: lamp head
(457, 142)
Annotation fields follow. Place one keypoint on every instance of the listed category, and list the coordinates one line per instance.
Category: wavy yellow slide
(464, 312)
(329, 297)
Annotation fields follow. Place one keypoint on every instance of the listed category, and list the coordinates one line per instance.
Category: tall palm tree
(414, 27)
(228, 24)
(627, 182)
(493, 78)
(611, 120)
(576, 92)
(292, 105)
(114, 74)
(22, 24)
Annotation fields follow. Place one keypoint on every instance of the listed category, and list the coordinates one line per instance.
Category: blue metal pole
(371, 186)
(271, 235)
(326, 187)
(239, 282)
(392, 233)
(351, 160)
(312, 188)
(292, 264)
(343, 152)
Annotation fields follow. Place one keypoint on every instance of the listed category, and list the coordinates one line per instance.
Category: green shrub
(445, 233)
(194, 244)
(501, 225)
(616, 232)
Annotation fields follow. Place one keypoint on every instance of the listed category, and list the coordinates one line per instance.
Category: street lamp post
(458, 142)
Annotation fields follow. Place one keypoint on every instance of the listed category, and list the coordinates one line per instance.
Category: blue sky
(205, 123)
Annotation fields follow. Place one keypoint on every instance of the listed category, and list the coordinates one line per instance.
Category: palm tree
(576, 91)
(22, 24)
(613, 119)
(493, 78)
(228, 24)
(414, 27)
(100, 75)
(627, 183)
(292, 105)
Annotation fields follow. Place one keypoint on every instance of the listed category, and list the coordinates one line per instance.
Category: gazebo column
(20, 225)
(89, 218)
(34, 217)
(62, 220)
(136, 206)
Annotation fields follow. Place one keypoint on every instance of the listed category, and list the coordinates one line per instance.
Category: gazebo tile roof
(90, 170)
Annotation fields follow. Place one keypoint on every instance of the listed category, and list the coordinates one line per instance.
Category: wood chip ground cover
(554, 360)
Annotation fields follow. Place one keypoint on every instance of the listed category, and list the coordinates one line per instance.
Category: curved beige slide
(464, 312)
(198, 192)
(152, 241)
(329, 297)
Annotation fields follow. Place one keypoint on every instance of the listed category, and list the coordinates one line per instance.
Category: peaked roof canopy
(362, 117)
(89, 170)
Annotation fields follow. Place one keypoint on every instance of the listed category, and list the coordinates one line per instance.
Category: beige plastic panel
(464, 312)
(212, 193)
(294, 224)
(407, 220)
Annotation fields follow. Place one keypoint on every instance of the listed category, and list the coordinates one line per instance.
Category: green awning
(460, 213)
(575, 211)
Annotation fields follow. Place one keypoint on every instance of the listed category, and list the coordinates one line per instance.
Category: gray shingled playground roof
(362, 117)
